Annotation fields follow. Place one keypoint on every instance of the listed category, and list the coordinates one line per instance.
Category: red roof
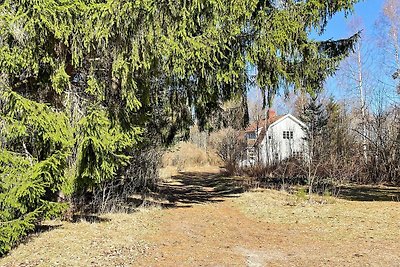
(272, 117)
(261, 123)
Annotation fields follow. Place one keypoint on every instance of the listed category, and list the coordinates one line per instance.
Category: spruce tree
(316, 120)
(34, 147)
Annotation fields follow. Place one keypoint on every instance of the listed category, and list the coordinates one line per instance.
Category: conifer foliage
(316, 120)
(82, 82)
(35, 145)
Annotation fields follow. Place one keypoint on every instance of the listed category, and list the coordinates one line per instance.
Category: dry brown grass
(115, 240)
(167, 172)
(335, 219)
(186, 154)
(258, 228)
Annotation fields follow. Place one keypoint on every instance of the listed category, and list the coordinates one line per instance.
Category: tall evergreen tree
(315, 118)
(35, 145)
(339, 141)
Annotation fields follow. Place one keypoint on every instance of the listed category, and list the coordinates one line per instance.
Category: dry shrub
(230, 146)
(289, 172)
(320, 176)
(187, 154)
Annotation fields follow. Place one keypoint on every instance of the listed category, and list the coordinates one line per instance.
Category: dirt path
(207, 228)
(206, 235)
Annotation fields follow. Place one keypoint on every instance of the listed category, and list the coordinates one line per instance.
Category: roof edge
(288, 116)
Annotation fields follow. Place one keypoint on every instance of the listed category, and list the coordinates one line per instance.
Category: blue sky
(368, 12)
(337, 28)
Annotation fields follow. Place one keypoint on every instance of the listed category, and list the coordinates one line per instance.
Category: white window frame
(288, 135)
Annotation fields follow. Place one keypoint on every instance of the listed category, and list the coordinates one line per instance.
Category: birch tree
(355, 74)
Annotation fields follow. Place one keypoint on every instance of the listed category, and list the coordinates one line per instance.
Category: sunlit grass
(331, 218)
(114, 240)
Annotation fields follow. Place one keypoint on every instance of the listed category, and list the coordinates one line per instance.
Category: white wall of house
(284, 138)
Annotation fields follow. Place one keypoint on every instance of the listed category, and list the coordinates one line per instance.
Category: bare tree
(356, 76)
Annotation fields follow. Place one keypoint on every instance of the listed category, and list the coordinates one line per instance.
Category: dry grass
(114, 240)
(335, 219)
(167, 172)
(186, 155)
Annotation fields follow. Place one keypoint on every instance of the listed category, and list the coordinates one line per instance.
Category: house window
(251, 135)
(287, 134)
(252, 154)
(297, 154)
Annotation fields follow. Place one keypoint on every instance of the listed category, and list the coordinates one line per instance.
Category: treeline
(341, 148)
(344, 147)
(90, 91)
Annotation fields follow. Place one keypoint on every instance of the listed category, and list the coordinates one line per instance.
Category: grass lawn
(329, 218)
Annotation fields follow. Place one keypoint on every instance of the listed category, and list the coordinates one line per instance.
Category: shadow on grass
(200, 187)
(42, 228)
(154, 199)
(39, 229)
(369, 193)
(88, 218)
(186, 189)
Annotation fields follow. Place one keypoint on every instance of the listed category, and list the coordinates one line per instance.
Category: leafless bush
(279, 175)
(229, 145)
(325, 174)
(383, 163)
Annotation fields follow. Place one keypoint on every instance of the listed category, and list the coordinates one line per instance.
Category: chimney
(271, 114)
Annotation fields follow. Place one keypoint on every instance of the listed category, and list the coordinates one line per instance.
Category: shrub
(140, 175)
(229, 146)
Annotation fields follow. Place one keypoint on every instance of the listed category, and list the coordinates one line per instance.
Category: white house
(275, 139)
